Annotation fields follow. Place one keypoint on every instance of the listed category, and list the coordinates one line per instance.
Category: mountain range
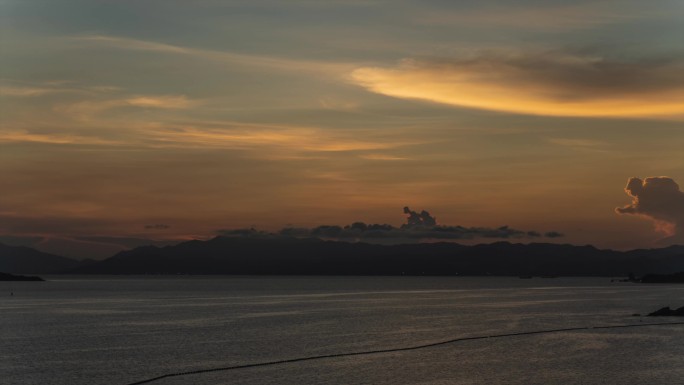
(312, 256)
(21, 259)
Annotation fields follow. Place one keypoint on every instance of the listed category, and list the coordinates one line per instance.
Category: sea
(88, 330)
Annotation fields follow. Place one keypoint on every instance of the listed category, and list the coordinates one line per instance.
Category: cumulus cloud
(659, 199)
(538, 83)
(419, 226)
(414, 219)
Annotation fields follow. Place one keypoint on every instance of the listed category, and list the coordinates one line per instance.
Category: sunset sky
(168, 119)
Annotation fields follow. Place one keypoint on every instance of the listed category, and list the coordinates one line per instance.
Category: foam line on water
(403, 349)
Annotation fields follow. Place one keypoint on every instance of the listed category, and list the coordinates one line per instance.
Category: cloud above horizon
(107, 116)
(537, 83)
(659, 199)
(419, 226)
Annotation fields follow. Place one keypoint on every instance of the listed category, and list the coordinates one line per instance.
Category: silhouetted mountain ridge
(312, 256)
(21, 259)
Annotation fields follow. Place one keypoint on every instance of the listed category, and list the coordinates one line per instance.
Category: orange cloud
(84, 110)
(53, 138)
(283, 139)
(384, 157)
(552, 84)
(659, 199)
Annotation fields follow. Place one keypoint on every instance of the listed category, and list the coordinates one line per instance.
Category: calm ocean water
(118, 330)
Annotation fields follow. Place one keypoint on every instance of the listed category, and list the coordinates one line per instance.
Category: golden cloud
(284, 139)
(85, 110)
(384, 157)
(551, 84)
(18, 136)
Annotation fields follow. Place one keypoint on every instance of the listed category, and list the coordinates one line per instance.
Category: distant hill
(25, 278)
(293, 256)
(20, 260)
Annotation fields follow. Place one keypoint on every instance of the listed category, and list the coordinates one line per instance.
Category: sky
(128, 121)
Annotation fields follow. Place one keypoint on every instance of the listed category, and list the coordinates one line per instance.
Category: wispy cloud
(285, 139)
(47, 88)
(547, 17)
(385, 157)
(9, 136)
(271, 62)
(18, 91)
(122, 121)
(574, 142)
(85, 109)
(338, 104)
(579, 144)
(543, 83)
(164, 101)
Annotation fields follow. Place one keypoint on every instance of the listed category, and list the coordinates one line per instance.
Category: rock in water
(667, 312)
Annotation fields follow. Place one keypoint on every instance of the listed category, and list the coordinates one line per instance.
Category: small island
(667, 312)
(663, 278)
(12, 277)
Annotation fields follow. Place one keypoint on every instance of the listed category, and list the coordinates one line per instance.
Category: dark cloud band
(419, 226)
